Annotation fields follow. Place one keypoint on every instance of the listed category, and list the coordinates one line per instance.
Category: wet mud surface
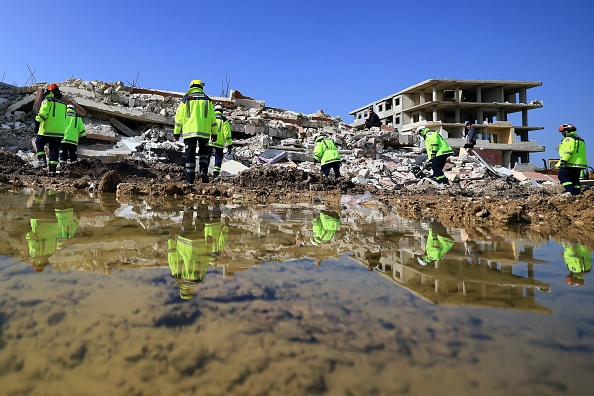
(497, 204)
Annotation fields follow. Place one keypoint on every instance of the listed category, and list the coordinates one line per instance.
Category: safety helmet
(567, 128)
(39, 268)
(421, 129)
(51, 87)
(573, 280)
(196, 82)
(70, 106)
(218, 108)
(318, 138)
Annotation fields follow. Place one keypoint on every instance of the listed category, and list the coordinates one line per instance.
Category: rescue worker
(52, 125)
(42, 240)
(75, 129)
(67, 225)
(438, 151)
(438, 243)
(219, 140)
(187, 253)
(324, 227)
(572, 154)
(327, 154)
(579, 263)
(215, 234)
(195, 121)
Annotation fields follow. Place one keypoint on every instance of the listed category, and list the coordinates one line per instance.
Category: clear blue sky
(310, 55)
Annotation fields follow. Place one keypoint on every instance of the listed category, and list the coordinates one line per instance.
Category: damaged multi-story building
(497, 108)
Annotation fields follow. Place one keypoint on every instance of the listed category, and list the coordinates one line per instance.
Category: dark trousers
(325, 169)
(190, 153)
(218, 158)
(569, 178)
(437, 165)
(68, 153)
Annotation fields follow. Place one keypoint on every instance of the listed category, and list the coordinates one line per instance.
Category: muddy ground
(502, 206)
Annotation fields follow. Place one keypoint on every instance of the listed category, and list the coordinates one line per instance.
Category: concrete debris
(128, 121)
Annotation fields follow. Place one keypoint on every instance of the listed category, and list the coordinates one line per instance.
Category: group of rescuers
(203, 126)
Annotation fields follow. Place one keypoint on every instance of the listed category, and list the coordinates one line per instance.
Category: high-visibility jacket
(215, 235)
(437, 246)
(187, 258)
(326, 152)
(572, 150)
(578, 258)
(75, 128)
(67, 224)
(324, 228)
(436, 145)
(52, 117)
(43, 238)
(195, 116)
(222, 137)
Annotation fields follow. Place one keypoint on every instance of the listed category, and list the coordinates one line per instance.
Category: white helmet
(218, 108)
(420, 129)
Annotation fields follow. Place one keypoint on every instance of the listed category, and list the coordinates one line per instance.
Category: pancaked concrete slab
(105, 154)
(233, 167)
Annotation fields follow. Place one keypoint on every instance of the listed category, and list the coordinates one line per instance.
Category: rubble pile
(124, 121)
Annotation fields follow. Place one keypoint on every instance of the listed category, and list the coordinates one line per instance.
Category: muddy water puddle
(102, 297)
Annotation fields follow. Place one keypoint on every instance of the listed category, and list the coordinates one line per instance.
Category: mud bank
(496, 204)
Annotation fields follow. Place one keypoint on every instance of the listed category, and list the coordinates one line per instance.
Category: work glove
(229, 148)
(213, 138)
(175, 137)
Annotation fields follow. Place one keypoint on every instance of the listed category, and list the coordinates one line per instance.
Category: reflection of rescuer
(439, 242)
(219, 140)
(438, 151)
(52, 124)
(215, 234)
(195, 120)
(75, 129)
(572, 154)
(67, 225)
(324, 227)
(327, 154)
(42, 240)
(579, 262)
(187, 255)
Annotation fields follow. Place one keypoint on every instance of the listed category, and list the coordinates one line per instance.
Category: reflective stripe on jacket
(222, 137)
(573, 150)
(326, 152)
(195, 116)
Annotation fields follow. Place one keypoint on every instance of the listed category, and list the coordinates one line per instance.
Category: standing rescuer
(325, 151)
(438, 151)
(75, 129)
(572, 154)
(52, 125)
(195, 120)
(220, 139)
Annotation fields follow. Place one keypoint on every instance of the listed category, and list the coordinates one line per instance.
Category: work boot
(41, 162)
(215, 174)
(52, 169)
(190, 178)
(204, 178)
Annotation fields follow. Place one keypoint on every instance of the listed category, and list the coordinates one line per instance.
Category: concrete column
(434, 113)
(421, 97)
(457, 115)
(457, 93)
(524, 117)
(523, 95)
(434, 93)
(478, 94)
(479, 116)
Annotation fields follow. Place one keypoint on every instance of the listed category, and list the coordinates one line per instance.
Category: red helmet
(567, 128)
(574, 280)
(51, 87)
(39, 268)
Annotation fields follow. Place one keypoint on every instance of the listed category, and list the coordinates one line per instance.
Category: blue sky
(310, 55)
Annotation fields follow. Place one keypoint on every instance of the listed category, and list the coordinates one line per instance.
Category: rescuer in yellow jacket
(52, 125)
(327, 154)
(187, 252)
(324, 227)
(439, 242)
(42, 240)
(572, 154)
(195, 121)
(67, 224)
(579, 263)
(438, 151)
(215, 234)
(219, 140)
(75, 129)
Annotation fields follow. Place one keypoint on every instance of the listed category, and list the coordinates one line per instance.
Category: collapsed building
(127, 121)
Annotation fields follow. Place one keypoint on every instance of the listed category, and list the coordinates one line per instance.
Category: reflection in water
(283, 300)
(579, 263)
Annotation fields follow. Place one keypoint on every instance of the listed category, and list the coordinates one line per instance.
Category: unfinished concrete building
(497, 108)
